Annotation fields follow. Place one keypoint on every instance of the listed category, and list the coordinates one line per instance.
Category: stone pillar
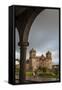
(23, 48)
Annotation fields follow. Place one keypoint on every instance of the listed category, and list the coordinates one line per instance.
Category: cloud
(44, 34)
(17, 55)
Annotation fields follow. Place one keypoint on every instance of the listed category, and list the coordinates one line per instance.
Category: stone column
(23, 48)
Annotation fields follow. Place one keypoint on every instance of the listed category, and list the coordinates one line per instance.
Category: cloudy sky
(44, 35)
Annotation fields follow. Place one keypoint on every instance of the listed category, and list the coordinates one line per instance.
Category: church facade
(34, 62)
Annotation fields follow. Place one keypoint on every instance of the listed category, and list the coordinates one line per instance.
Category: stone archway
(24, 19)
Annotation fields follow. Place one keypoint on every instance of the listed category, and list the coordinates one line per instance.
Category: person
(34, 73)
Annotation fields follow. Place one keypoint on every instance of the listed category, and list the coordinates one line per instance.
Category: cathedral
(34, 62)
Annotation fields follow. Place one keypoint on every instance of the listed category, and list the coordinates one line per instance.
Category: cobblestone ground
(38, 79)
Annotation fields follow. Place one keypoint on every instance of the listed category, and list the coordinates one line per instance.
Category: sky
(44, 35)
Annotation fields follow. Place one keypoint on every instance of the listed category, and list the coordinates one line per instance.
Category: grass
(29, 74)
(48, 75)
(42, 73)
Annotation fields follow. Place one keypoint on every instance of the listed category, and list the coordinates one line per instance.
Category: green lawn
(42, 73)
(28, 73)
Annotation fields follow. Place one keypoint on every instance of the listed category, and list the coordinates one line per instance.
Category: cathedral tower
(32, 53)
(33, 59)
(49, 60)
(48, 55)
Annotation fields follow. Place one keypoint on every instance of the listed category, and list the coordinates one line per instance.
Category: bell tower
(48, 55)
(32, 53)
(49, 59)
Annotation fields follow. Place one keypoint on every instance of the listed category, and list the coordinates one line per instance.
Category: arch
(24, 20)
(29, 24)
